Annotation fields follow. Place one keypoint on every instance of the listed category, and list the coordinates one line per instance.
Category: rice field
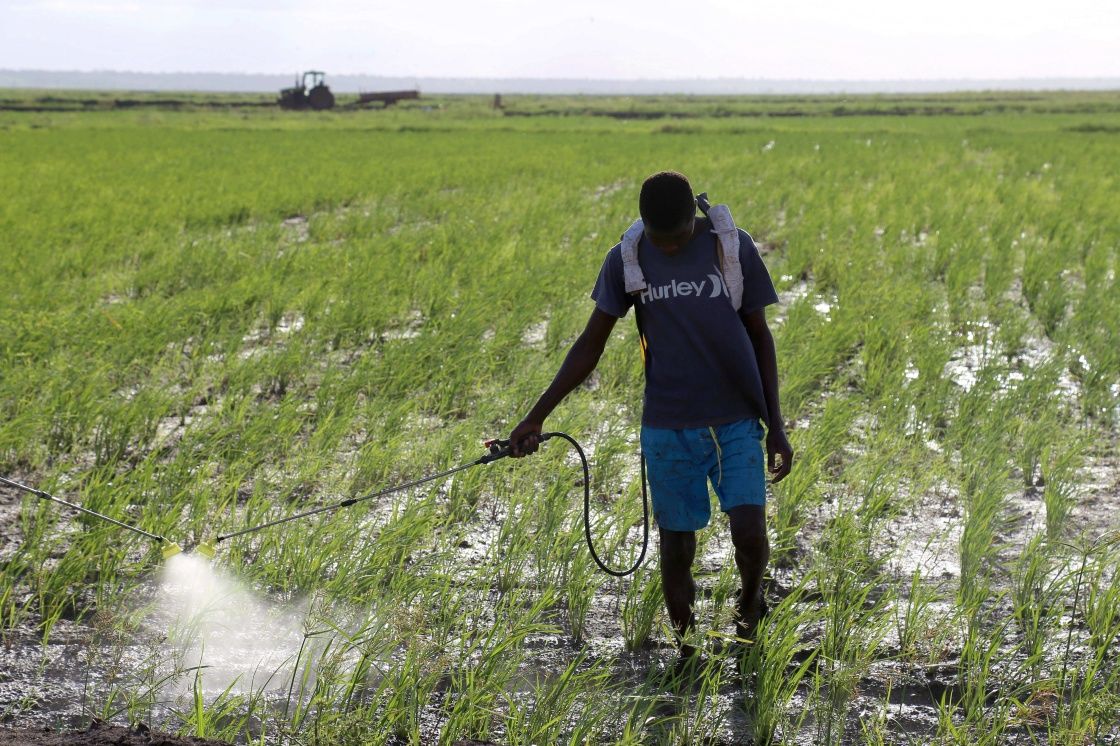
(216, 317)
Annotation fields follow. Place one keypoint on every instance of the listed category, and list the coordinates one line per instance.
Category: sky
(606, 39)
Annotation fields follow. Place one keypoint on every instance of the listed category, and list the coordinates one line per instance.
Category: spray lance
(496, 449)
(167, 548)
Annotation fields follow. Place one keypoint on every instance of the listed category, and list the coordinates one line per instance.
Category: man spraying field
(699, 290)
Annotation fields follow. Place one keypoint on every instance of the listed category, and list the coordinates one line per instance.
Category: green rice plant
(697, 714)
(641, 606)
(226, 712)
(854, 603)
(1102, 604)
(983, 503)
(1036, 592)
(1039, 419)
(962, 731)
(581, 583)
(776, 667)
(978, 654)
(982, 705)
(1087, 708)
(514, 548)
(487, 662)
(406, 688)
(558, 702)
(312, 676)
(798, 493)
(1044, 289)
(874, 729)
(1060, 463)
(912, 618)
(854, 626)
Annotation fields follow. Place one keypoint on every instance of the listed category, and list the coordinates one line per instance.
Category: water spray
(168, 548)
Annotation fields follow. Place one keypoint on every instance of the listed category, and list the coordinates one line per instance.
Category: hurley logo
(713, 287)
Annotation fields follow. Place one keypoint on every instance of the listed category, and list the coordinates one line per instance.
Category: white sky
(818, 39)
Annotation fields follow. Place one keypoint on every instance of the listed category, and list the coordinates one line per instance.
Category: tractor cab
(309, 92)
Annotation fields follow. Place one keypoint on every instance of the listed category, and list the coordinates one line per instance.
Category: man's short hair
(666, 201)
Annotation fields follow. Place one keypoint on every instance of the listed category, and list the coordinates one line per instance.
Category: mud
(99, 734)
(102, 734)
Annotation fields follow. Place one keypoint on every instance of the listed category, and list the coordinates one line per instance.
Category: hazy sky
(821, 39)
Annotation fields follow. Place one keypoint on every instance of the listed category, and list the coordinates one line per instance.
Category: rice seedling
(775, 668)
(1037, 587)
(641, 607)
(913, 618)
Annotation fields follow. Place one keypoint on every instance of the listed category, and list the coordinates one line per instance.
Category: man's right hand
(525, 439)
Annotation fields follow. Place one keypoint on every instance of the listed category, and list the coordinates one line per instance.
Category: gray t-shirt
(700, 364)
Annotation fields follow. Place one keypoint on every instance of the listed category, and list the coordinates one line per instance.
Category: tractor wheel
(320, 98)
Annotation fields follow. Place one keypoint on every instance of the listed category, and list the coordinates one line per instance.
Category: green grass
(177, 352)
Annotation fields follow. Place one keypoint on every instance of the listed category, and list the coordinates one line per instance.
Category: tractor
(309, 93)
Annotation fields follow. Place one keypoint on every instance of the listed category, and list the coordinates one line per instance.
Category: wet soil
(103, 734)
(99, 734)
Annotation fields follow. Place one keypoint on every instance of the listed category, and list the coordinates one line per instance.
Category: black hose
(587, 509)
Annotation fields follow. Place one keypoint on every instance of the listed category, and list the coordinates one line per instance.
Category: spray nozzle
(206, 549)
(170, 549)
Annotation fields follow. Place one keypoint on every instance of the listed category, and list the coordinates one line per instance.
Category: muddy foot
(750, 615)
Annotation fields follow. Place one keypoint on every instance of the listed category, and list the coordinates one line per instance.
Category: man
(711, 376)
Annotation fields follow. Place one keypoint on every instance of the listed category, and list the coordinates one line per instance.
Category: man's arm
(577, 366)
(777, 445)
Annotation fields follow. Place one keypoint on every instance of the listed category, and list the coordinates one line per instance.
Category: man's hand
(778, 447)
(525, 439)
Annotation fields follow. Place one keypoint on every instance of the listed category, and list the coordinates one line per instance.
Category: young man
(711, 377)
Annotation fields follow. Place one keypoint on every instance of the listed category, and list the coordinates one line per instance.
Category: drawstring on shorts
(719, 454)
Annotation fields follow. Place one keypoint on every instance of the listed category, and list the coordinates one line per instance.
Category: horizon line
(694, 79)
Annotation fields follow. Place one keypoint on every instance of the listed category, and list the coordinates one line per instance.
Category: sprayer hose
(587, 509)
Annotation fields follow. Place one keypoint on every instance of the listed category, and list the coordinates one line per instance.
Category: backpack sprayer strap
(727, 250)
(631, 268)
(727, 247)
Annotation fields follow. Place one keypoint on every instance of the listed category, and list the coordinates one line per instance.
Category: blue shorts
(680, 463)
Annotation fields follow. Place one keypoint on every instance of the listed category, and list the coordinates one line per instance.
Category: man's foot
(686, 669)
(751, 613)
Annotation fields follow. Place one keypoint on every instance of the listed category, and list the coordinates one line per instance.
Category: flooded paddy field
(212, 324)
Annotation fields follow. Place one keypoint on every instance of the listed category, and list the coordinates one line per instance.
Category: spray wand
(496, 449)
(168, 548)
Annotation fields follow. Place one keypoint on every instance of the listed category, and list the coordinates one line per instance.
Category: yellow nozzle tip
(206, 549)
(170, 549)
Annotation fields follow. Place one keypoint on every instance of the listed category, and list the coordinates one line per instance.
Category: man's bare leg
(752, 553)
(678, 550)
